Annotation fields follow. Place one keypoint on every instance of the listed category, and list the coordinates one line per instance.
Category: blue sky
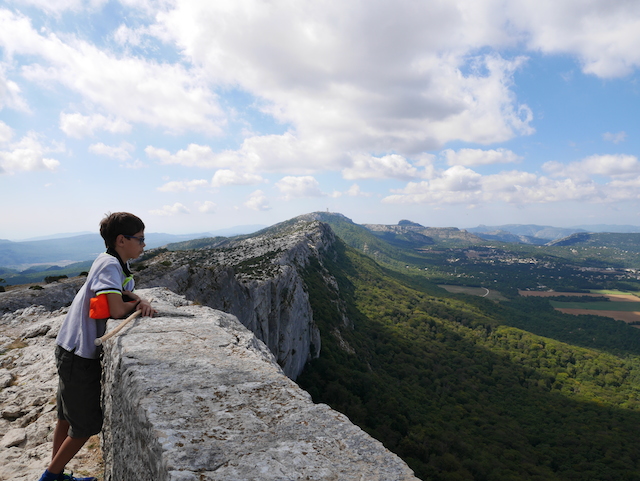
(199, 115)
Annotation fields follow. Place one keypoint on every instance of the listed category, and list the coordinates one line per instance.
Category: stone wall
(194, 395)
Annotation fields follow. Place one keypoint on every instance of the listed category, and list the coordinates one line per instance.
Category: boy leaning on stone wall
(107, 292)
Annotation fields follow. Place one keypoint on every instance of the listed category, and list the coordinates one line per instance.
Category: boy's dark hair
(119, 223)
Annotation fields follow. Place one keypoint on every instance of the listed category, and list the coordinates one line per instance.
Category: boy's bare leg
(59, 435)
(64, 447)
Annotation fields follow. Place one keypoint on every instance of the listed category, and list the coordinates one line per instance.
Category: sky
(199, 115)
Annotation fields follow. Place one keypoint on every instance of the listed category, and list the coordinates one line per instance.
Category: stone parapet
(194, 395)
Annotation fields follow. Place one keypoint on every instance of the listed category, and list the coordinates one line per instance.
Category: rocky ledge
(189, 395)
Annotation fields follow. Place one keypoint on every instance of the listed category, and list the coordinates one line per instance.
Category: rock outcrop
(52, 296)
(259, 280)
(189, 395)
(28, 384)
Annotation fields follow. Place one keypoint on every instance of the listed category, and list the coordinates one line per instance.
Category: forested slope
(459, 394)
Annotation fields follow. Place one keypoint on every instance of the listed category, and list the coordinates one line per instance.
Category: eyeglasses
(139, 239)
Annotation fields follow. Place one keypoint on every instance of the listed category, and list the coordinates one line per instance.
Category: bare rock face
(194, 395)
(28, 383)
(259, 280)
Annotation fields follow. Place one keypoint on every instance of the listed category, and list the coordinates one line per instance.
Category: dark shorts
(79, 393)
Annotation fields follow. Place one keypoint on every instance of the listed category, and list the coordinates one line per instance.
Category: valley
(464, 387)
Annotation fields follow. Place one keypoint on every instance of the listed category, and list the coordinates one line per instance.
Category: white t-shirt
(79, 331)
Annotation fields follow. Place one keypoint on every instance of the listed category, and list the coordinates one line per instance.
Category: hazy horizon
(246, 229)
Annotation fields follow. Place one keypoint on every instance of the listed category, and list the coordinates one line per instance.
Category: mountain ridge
(62, 250)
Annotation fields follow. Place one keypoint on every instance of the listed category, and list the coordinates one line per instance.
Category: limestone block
(12, 411)
(6, 378)
(39, 330)
(13, 437)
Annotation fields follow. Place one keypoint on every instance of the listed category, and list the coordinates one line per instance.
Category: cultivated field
(621, 306)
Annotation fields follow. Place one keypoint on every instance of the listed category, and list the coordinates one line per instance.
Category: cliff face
(258, 280)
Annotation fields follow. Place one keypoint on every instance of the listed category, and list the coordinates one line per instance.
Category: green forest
(463, 388)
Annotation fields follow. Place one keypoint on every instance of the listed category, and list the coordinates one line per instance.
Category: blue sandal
(70, 477)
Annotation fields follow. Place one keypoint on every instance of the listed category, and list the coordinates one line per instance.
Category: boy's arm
(120, 309)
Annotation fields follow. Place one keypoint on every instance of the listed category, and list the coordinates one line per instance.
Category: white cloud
(355, 191)
(231, 177)
(603, 34)
(437, 84)
(544, 191)
(170, 210)
(296, 187)
(129, 36)
(614, 165)
(6, 133)
(434, 86)
(131, 88)
(594, 179)
(509, 183)
(26, 155)
(472, 157)
(390, 166)
(616, 138)
(457, 179)
(459, 185)
(183, 186)
(78, 126)
(135, 165)
(258, 201)
(281, 153)
(623, 190)
(121, 152)
(207, 207)
(269, 153)
(10, 93)
(194, 156)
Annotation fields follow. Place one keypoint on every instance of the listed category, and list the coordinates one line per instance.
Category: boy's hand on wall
(145, 307)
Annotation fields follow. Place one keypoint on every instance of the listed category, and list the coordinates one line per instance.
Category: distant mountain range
(543, 234)
(61, 251)
(73, 248)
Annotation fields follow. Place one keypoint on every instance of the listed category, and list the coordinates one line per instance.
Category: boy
(108, 289)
